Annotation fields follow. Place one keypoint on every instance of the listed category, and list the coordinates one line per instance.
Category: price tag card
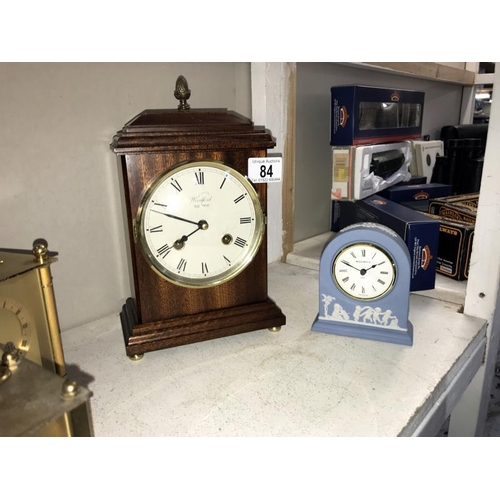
(265, 169)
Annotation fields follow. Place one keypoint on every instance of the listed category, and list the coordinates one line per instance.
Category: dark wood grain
(141, 338)
(151, 144)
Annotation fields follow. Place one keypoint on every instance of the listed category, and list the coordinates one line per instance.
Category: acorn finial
(182, 93)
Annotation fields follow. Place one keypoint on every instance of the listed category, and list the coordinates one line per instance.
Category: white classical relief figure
(327, 300)
(362, 314)
(338, 311)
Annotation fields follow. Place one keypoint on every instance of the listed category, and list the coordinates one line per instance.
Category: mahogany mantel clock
(197, 226)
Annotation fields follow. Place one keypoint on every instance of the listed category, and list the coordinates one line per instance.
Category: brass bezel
(233, 271)
(380, 249)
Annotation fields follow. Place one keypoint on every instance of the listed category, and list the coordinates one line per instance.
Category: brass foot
(275, 329)
(4, 373)
(136, 357)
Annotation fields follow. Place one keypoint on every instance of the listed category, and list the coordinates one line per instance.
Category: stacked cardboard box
(457, 218)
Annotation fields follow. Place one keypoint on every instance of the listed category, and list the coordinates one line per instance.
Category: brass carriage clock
(29, 330)
(28, 314)
(197, 226)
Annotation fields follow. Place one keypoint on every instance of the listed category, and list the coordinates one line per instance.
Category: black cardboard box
(416, 196)
(453, 211)
(455, 248)
(419, 231)
(416, 192)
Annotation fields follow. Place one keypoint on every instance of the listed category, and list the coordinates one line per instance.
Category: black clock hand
(176, 217)
(347, 264)
(375, 265)
(202, 224)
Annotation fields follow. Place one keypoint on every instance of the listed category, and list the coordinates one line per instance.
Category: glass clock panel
(364, 271)
(201, 224)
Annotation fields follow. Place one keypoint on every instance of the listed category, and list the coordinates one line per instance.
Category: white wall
(60, 181)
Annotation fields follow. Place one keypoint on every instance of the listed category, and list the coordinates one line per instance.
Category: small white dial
(200, 224)
(364, 271)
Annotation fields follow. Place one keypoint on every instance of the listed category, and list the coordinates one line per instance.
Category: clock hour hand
(176, 217)
(375, 265)
(202, 224)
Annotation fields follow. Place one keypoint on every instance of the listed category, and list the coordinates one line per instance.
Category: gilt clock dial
(200, 224)
(16, 324)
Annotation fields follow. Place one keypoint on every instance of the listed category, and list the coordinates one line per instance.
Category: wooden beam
(427, 70)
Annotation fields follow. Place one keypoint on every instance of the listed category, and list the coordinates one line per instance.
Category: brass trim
(52, 319)
(378, 248)
(231, 272)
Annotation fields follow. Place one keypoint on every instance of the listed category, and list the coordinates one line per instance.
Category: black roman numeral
(363, 252)
(204, 268)
(181, 266)
(176, 185)
(227, 260)
(237, 200)
(245, 220)
(353, 286)
(384, 272)
(353, 254)
(164, 250)
(156, 229)
(240, 242)
(381, 282)
(200, 177)
(220, 187)
(346, 279)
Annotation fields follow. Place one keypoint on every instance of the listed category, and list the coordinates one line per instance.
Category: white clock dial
(364, 271)
(200, 224)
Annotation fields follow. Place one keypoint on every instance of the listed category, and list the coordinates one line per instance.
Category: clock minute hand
(347, 264)
(176, 217)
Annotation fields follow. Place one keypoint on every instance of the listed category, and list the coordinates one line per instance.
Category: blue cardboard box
(372, 115)
(414, 179)
(417, 196)
(419, 231)
(416, 192)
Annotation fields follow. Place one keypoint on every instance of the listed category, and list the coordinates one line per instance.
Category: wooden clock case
(163, 314)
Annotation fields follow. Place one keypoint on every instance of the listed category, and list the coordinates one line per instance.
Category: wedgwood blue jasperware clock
(364, 285)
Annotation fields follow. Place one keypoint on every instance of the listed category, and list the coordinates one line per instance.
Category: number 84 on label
(265, 169)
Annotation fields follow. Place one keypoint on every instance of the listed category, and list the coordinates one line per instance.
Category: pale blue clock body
(383, 318)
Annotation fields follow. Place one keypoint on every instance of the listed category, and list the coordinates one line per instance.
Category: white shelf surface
(292, 383)
(307, 254)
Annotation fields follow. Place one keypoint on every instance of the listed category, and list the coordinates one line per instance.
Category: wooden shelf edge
(425, 70)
